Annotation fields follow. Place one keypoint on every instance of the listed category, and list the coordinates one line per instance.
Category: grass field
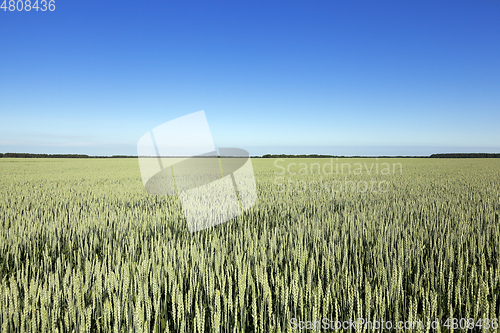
(84, 248)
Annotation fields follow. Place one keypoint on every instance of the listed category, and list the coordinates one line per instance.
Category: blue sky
(401, 77)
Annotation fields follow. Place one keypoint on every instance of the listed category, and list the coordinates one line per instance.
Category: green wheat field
(83, 248)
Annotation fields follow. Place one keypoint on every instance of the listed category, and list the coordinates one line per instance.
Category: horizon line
(434, 155)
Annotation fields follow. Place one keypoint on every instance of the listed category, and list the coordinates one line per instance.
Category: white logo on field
(179, 156)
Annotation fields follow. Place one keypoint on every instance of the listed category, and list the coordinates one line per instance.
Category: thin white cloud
(45, 144)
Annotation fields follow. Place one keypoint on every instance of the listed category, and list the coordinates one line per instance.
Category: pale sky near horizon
(345, 77)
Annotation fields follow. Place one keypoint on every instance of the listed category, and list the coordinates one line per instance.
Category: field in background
(84, 248)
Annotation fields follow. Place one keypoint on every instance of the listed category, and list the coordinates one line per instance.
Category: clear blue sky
(367, 77)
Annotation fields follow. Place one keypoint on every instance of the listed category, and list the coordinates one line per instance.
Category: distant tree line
(466, 155)
(446, 155)
(28, 155)
(332, 156)
(296, 156)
